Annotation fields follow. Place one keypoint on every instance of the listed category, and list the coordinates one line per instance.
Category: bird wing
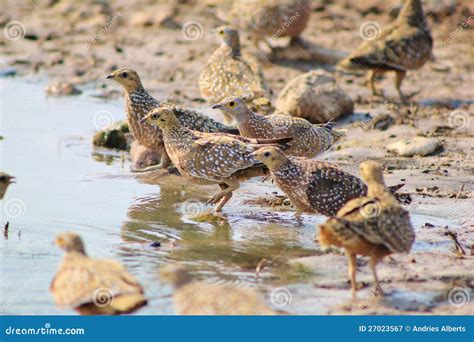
(379, 224)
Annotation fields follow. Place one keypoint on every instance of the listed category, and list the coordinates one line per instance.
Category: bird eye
(221, 32)
(231, 104)
(154, 116)
(266, 154)
(124, 75)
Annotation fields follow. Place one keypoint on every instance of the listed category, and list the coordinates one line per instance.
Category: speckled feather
(316, 186)
(229, 73)
(308, 140)
(272, 17)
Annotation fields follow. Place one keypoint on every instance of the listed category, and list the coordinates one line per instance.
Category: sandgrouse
(308, 139)
(374, 225)
(138, 103)
(209, 158)
(93, 286)
(312, 185)
(405, 45)
(272, 18)
(229, 73)
(203, 298)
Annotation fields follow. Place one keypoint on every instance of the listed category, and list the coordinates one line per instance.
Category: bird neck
(232, 47)
(281, 164)
(412, 12)
(245, 116)
(134, 87)
(175, 130)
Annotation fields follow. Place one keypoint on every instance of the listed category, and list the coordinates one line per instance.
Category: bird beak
(109, 76)
(216, 106)
(12, 179)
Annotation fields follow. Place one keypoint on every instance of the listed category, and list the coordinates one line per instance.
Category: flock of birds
(365, 217)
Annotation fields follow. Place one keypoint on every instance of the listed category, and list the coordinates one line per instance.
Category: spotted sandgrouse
(93, 286)
(193, 297)
(139, 103)
(209, 158)
(405, 45)
(374, 225)
(308, 139)
(312, 185)
(229, 73)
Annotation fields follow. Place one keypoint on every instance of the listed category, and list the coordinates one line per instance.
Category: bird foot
(215, 199)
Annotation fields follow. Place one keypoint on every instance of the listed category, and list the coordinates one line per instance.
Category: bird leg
(352, 274)
(222, 197)
(164, 163)
(399, 76)
(371, 77)
(373, 264)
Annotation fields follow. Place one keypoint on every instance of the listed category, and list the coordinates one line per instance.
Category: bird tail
(330, 230)
(328, 134)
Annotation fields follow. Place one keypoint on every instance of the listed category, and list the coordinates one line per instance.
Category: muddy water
(63, 183)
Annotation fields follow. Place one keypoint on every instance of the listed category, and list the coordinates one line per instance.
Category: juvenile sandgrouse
(308, 139)
(229, 73)
(138, 103)
(405, 45)
(93, 286)
(312, 185)
(193, 297)
(374, 225)
(209, 158)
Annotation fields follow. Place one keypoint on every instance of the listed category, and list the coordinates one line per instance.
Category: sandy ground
(81, 43)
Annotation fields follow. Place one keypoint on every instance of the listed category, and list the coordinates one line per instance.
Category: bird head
(229, 36)
(371, 172)
(127, 78)
(161, 117)
(6, 178)
(70, 242)
(273, 157)
(234, 106)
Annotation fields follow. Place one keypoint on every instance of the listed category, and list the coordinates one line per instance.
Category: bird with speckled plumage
(374, 225)
(311, 185)
(308, 139)
(271, 18)
(209, 158)
(405, 45)
(93, 286)
(230, 73)
(193, 297)
(138, 102)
